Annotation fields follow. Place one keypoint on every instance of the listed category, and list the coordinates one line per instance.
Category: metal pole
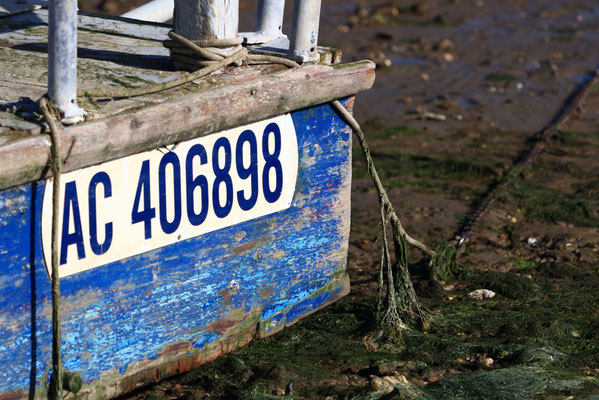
(206, 19)
(62, 59)
(304, 30)
(270, 18)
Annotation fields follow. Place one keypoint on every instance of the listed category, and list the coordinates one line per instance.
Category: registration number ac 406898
(149, 200)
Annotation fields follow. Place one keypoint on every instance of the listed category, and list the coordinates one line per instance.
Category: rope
(192, 54)
(55, 390)
(207, 55)
(399, 304)
(386, 205)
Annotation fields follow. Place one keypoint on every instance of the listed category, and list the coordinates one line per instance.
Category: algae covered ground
(462, 88)
(537, 339)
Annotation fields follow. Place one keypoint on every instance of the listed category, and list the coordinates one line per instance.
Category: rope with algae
(390, 313)
(397, 307)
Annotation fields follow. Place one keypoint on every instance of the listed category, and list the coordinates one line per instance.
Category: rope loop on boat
(194, 54)
(397, 307)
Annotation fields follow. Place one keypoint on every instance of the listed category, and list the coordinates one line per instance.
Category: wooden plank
(112, 53)
(116, 136)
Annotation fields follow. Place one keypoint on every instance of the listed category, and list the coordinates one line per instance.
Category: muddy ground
(462, 87)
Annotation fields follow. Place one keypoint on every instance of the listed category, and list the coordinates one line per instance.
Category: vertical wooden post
(206, 19)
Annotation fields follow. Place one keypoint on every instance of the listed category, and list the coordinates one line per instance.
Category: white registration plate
(149, 200)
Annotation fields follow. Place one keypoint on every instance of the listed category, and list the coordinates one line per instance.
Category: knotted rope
(207, 55)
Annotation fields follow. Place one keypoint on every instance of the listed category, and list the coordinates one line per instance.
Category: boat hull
(165, 311)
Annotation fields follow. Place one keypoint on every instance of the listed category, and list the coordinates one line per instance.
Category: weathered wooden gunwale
(131, 126)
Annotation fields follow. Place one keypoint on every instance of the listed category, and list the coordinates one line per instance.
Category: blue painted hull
(165, 311)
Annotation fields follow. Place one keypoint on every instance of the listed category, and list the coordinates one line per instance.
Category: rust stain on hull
(14, 395)
(220, 327)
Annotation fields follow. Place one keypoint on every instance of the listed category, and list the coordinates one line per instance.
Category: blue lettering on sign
(221, 154)
(169, 158)
(76, 238)
(143, 188)
(103, 178)
(251, 171)
(139, 203)
(272, 161)
(222, 176)
(192, 183)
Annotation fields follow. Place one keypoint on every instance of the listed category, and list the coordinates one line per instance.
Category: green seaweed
(565, 38)
(399, 165)
(503, 384)
(551, 206)
(397, 131)
(521, 263)
(541, 343)
(500, 77)
(537, 312)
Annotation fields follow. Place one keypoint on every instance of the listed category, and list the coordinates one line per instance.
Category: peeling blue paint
(131, 310)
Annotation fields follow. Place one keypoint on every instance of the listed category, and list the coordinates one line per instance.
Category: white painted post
(206, 19)
(304, 30)
(269, 24)
(62, 59)
(270, 18)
